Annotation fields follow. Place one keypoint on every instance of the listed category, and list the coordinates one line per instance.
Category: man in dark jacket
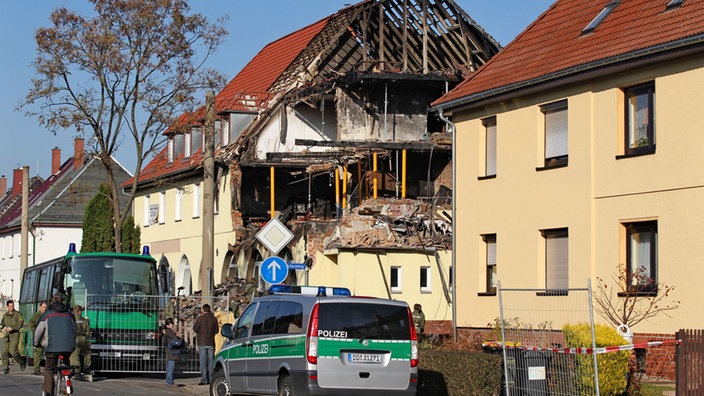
(57, 333)
(205, 328)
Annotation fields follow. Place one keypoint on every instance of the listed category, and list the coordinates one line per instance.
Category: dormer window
(196, 139)
(177, 146)
(674, 4)
(600, 17)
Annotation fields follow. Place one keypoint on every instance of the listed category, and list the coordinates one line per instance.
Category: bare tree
(126, 72)
(633, 298)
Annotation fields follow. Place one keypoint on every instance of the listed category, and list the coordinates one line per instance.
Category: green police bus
(120, 296)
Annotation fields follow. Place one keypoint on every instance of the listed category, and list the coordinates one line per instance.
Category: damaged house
(328, 130)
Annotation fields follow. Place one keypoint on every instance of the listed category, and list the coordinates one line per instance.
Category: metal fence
(126, 331)
(537, 359)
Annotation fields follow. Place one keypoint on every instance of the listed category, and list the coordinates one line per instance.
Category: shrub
(612, 366)
(453, 372)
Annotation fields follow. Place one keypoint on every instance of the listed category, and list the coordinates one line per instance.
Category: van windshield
(364, 321)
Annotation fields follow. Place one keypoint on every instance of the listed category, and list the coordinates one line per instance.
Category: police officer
(38, 351)
(81, 355)
(12, 322)
(419, 319)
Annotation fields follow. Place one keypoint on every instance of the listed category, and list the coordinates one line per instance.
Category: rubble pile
(394, 223)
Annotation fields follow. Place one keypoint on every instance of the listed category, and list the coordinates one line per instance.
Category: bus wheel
(218, 384)
(286, 386)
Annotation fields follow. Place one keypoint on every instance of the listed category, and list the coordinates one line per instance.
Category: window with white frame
(178, 204)
(162, 207)
(491, 272)
(196, 139)
(178, 145)
(395, 281)
(145, 207)
(170, 150)
(425, 279)
(490, 146)
(556, 258)
(187, 145)
(196, 200)
(556, 136)
(217, 134)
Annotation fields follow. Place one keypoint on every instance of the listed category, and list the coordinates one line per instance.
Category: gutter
(597, 68)
(451, 127)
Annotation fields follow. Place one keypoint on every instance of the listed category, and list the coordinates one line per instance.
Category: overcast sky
(252, 25)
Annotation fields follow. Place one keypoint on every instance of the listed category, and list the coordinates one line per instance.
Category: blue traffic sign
(297, 266)
(274, 270)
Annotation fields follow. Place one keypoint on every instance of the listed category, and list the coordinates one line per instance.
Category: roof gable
(554, 44)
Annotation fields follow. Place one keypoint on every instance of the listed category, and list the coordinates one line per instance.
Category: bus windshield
(110, 276)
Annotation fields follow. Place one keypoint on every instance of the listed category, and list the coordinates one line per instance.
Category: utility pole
(24, 227)
(206, 265)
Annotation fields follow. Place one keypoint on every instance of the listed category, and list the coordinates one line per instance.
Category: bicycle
(62, 381)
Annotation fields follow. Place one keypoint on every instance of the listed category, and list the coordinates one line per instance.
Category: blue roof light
(145, 251)
(71, 248)
(319, 291)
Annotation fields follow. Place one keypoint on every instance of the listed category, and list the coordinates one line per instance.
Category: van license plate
(363, 358)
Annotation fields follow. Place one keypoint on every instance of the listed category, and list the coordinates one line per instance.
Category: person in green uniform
(37, 352)
(81, 355)
(419, 320)
(12, 322)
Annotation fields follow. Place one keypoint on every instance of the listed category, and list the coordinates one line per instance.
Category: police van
(299, 340)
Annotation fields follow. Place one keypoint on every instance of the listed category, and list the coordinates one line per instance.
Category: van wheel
(286, 387)
(218, 384)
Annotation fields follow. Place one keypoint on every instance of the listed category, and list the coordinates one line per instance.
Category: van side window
(289, 319)
(264, 320)
(245, 321)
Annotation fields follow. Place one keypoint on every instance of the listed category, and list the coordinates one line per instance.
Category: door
(237, 359)
(259, 376)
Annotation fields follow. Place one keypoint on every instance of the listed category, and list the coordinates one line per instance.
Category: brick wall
(660, 361)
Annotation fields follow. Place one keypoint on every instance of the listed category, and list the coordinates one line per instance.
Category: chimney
(55, 160)
(78, 154)
(3, 186)
(16, 182)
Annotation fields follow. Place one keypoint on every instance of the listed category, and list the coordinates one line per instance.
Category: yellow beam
(273, 203)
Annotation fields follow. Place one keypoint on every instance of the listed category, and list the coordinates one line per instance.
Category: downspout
(451, 127)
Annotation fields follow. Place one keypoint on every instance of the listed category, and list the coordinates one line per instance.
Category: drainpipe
(451, 127)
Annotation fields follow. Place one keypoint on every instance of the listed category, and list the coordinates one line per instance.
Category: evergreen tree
(98, 223)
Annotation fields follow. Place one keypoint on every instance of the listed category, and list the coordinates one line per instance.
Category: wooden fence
(690, 363)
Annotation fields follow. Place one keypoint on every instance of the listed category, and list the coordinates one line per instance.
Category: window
(196, 200)
(145, 207)
(490, 146)
(196, 139)
(555, 133)
(162, 207)
(673, 4)
(556, 259)
(491, 274)
(264, 318)
(178, 203)
(187, 145)
(217, 133)
(178, 146)
(640, 119)
(600, 17)
(395, 282)
(425, 279)
(170, 150)
(642, 256)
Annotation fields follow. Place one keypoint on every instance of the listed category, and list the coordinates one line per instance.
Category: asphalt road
(18, 383)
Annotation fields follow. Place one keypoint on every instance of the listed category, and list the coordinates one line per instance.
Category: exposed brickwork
(660, 361)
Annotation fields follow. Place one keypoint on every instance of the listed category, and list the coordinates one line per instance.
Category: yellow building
(577, 158)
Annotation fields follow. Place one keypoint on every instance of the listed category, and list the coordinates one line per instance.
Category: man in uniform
(81, 355)
(38, 350)
(12, 322)
(419, 320)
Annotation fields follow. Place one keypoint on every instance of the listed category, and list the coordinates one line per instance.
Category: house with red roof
(55, 208)
(318, 123)
(580, 162)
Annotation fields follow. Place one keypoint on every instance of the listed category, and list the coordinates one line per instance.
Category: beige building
(577, 157)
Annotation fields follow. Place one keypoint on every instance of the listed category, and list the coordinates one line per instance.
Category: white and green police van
(300, 340)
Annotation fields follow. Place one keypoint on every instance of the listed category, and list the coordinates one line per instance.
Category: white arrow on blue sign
(274, 270)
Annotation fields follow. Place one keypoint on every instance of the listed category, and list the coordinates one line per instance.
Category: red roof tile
(554, 42)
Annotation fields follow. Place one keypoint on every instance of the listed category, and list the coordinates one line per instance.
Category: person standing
(81, 355)
(12, 322)
(37, 351)
(419, 320)
(206, 327)
(172, 354)
(56, 331)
